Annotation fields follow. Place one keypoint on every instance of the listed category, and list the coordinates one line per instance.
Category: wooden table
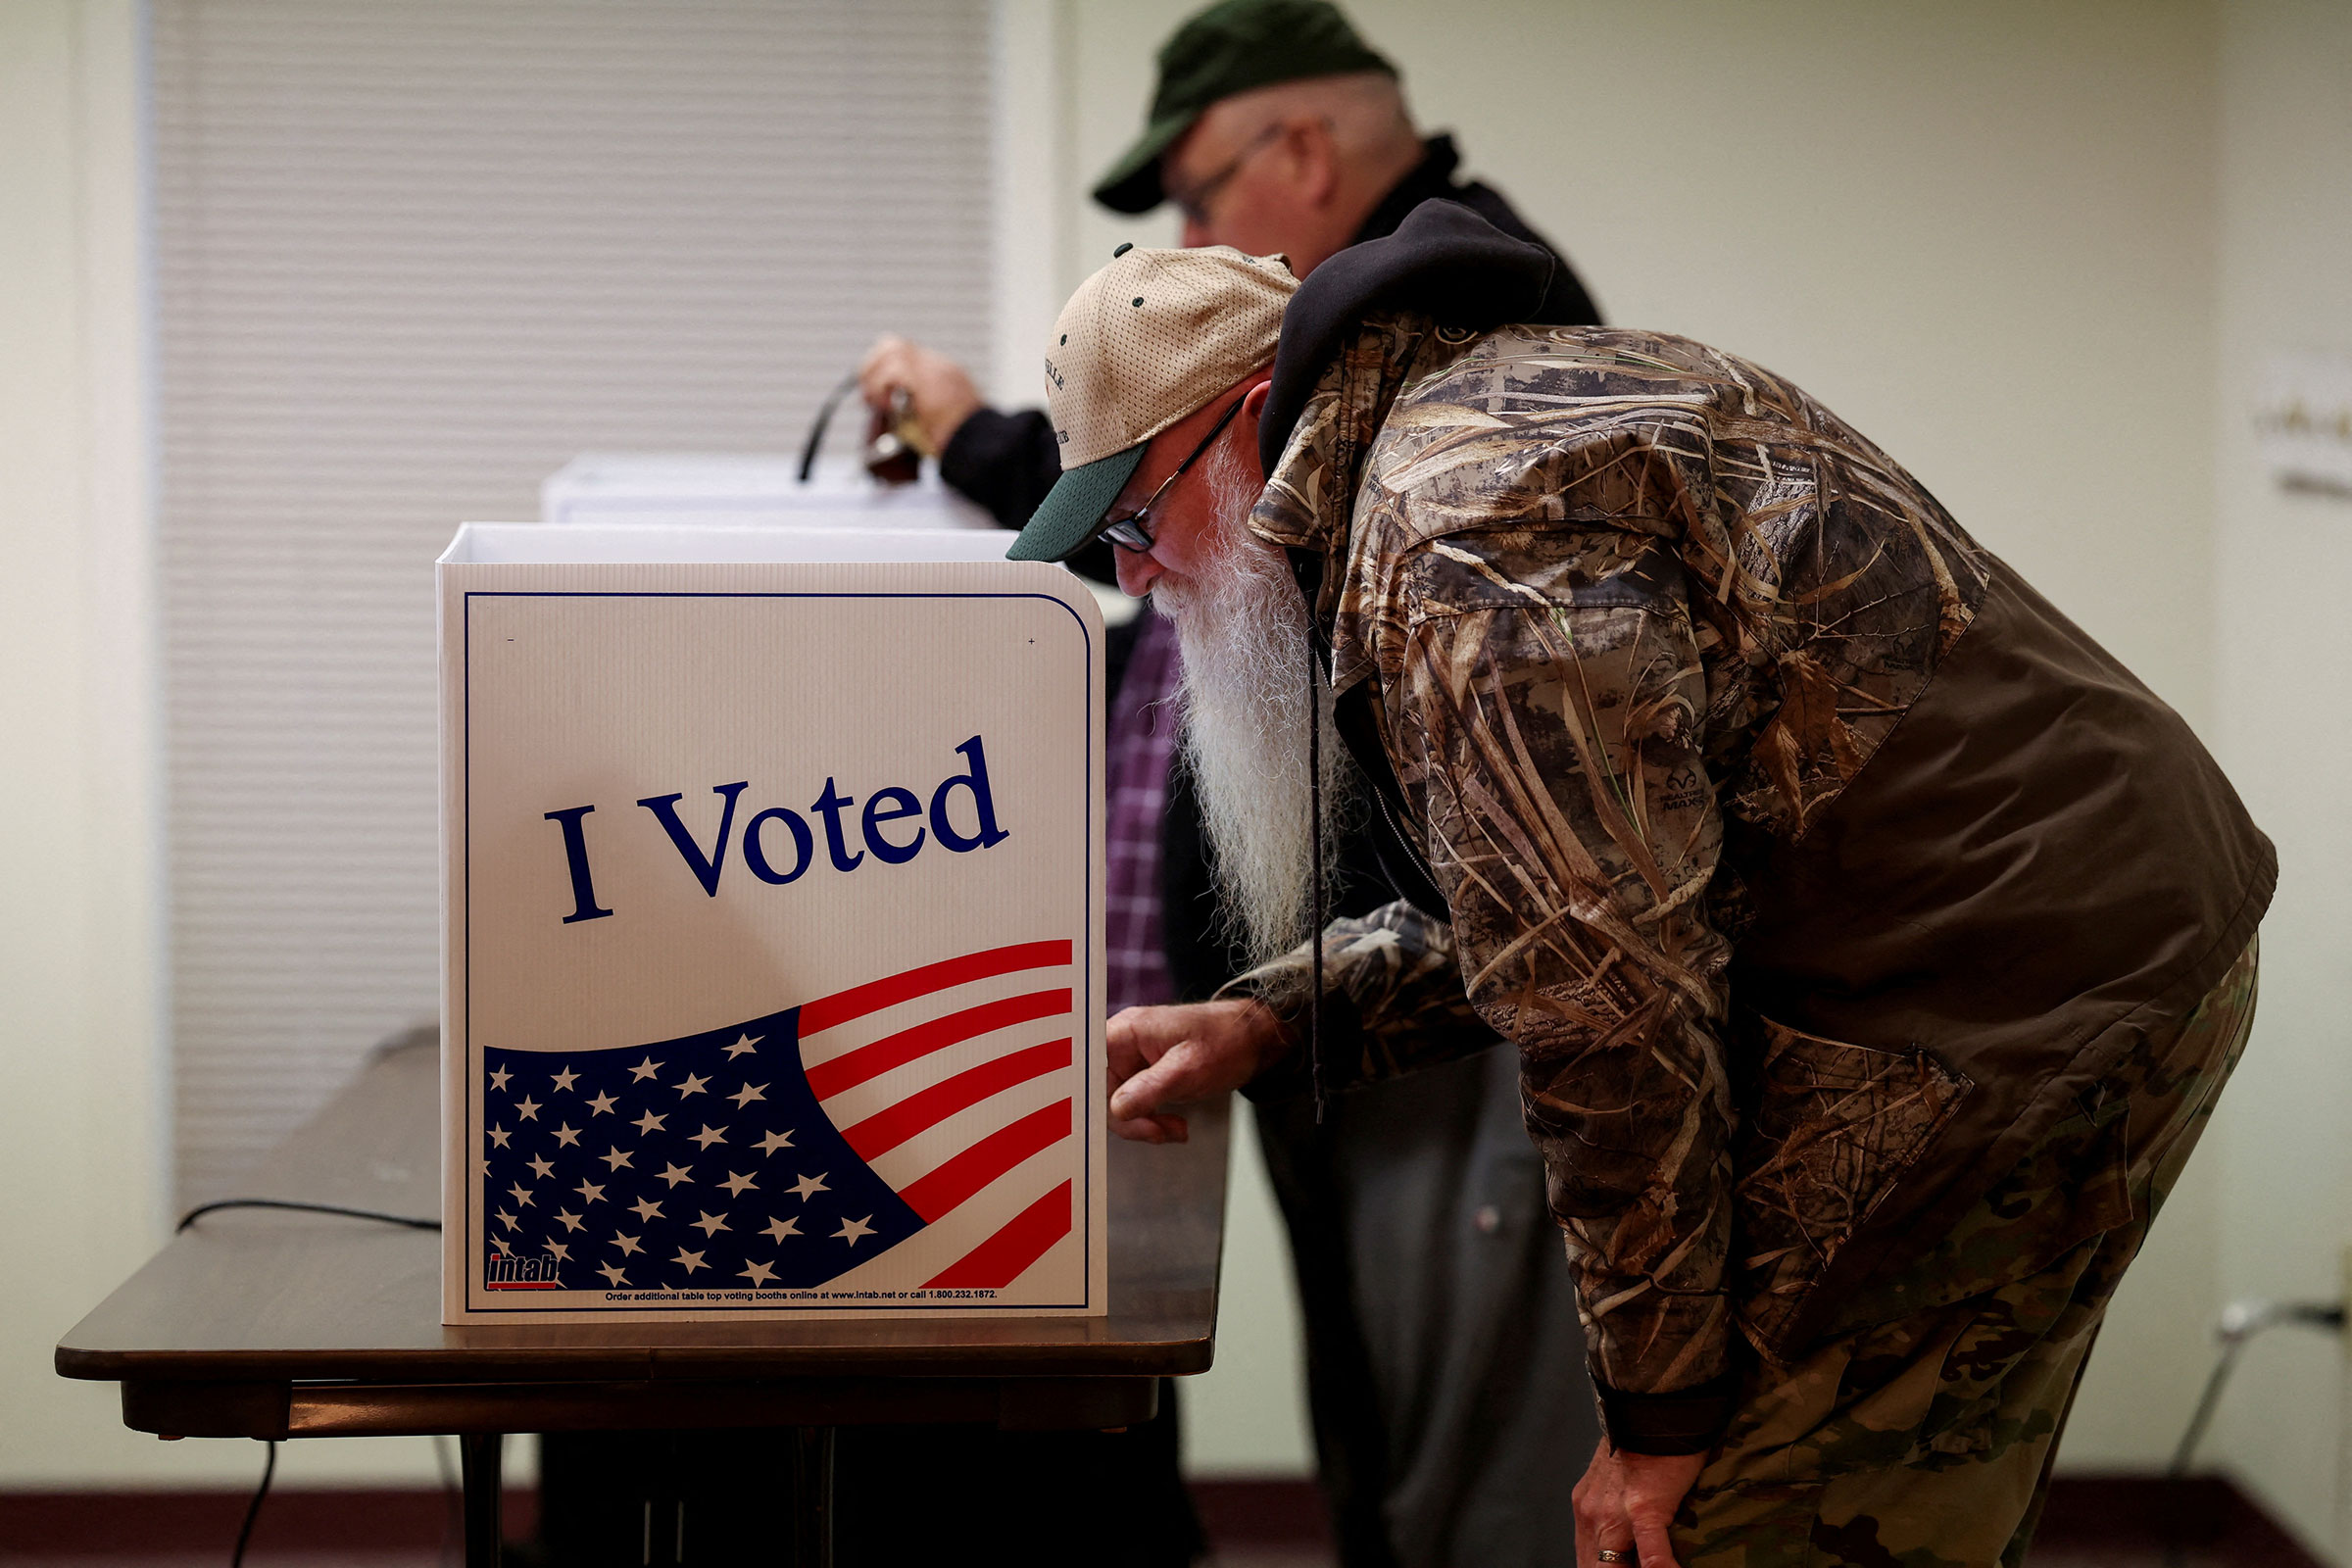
(270, 1324)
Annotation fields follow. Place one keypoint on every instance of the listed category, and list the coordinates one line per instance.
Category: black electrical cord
(412, 1221)
(1314, 811)
(825, 417)
(253, 1509)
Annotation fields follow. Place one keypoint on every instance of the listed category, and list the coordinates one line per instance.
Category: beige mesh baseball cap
(1145, 342)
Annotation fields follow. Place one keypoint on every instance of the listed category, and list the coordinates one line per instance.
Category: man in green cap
(1438, 1308)
(1275, 129)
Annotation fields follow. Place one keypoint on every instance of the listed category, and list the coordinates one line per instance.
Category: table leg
(812, 1495)
(481, 1453)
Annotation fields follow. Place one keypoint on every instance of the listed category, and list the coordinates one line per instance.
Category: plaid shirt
(1143, 744)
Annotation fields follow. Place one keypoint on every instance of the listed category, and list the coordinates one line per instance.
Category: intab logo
(505, 1272)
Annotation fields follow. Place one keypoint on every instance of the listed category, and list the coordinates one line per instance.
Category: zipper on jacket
(1406, 842)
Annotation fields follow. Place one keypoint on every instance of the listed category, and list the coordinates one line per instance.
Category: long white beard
(1242, 625)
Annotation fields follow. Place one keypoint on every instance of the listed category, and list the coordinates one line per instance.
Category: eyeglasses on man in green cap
(1232, 47)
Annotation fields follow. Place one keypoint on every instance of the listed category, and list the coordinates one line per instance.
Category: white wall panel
(2282, 558)
(410, 259)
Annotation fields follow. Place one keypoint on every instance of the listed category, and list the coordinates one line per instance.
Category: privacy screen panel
(411, 259)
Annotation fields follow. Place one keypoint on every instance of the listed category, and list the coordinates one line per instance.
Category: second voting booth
(773, 869)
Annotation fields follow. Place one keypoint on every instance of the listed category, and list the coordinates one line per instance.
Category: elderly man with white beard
(1274, 126)
(1875, 946)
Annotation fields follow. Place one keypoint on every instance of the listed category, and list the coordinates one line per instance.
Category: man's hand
(1162, 1056)
(1626, 1502)
(944, 397)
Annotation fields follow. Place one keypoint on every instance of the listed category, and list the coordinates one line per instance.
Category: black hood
(1450, 264)
(1453, 266)
(1445, 261)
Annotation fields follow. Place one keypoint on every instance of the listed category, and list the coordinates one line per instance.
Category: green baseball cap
(1232, 47)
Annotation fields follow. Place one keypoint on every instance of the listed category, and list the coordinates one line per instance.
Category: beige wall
(83, 1139)
(1984, 232)
(2285, 1199)
(81, 1133)
(1980, 229)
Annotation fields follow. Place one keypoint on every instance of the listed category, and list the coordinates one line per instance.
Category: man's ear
(1254, 405)
(1316, 152)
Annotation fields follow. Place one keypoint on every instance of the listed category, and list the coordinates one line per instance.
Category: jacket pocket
(1831, 1129)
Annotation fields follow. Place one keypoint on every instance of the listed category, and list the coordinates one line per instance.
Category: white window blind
(410, 258)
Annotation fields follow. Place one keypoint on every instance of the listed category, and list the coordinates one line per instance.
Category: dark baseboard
(2205, 1513)
(1262, 1513)
(134, 1524)
(2132, 1513)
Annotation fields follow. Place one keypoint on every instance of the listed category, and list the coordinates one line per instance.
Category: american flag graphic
(784, 1151)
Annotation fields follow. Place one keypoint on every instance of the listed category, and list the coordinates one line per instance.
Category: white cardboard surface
(773, 891)
(738, 489)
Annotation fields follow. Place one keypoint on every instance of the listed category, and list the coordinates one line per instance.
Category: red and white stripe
(957, 1082)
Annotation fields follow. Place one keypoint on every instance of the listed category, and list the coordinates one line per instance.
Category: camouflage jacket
(1628, 617)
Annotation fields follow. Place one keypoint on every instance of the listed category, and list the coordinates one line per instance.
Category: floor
(2077, 1555)
(2116, 1523)
(1269, 1556)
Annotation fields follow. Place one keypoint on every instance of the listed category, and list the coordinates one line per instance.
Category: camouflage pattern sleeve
(1393, 1000)
(1546, 718)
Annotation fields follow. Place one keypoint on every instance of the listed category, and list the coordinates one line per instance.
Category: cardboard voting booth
(773, 877)
(749, 490)
(726, 489)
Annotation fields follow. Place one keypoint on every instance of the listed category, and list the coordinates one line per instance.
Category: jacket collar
(1431, 178)
(1311, 494)
(1350, 337)
(1445, 261)
(1311, 488)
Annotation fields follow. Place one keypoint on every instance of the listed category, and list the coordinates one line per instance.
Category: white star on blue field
(698, 1163)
